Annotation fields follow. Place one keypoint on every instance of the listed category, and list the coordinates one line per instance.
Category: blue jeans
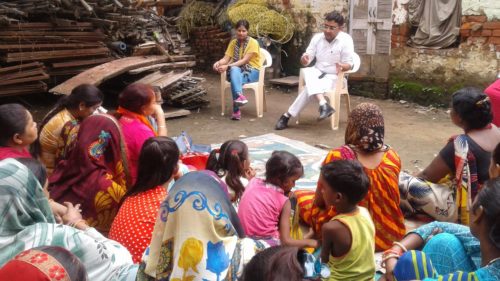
(238, 78)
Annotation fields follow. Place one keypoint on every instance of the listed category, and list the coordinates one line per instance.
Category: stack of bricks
(477, 30)
(400, 35)
(210, 43)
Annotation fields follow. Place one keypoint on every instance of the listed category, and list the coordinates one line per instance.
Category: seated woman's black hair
(473, 107)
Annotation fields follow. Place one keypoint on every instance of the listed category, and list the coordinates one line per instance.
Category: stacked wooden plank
(120, 20)
(186, 92)
(53, 40)
(209, 44)
(55, 50)
(23, 79)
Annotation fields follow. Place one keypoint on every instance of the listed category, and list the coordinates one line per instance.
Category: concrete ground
(416, 133)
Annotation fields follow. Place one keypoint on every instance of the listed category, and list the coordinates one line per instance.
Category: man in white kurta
(333, 50)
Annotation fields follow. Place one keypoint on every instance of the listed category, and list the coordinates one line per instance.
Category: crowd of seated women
(93, 196)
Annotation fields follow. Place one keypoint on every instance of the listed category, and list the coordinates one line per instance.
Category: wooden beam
(57, 54)
(180, 64)
(35, 46)
(96, 75)
(23, 80)
(168, 80)
(20, 67)
(27, 33)
(153, 77)
(23, 74)
(15, 90)
(81, 62)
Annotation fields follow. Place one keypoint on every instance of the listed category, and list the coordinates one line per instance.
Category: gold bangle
(383, 264)
(400, 246)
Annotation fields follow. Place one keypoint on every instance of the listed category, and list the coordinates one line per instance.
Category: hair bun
(483, 102)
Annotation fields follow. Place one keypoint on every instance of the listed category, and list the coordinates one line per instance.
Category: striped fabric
(310, 213)
(382, 200)
(414, 265)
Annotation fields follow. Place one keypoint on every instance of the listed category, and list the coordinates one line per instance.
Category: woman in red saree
(364, 141)
(95, 172)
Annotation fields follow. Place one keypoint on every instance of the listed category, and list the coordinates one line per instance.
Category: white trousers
(313, 86)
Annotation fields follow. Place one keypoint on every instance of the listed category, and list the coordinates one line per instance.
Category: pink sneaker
(240, 101)
(236, 115)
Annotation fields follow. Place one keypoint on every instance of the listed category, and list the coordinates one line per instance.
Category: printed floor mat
(261, 147)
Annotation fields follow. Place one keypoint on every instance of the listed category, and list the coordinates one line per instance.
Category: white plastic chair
(258, 87)
(339, 90)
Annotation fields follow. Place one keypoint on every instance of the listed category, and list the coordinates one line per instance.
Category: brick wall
(209, 43)
(400, 35)
(477, 30)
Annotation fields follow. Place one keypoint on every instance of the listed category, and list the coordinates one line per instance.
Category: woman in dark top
(446, 188)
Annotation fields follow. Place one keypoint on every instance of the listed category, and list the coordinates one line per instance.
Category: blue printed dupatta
(197, 234)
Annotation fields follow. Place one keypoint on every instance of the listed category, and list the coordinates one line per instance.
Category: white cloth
(327, 55)
(316, 85)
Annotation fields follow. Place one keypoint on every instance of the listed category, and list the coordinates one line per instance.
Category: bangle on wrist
(73, 224)
(400, 245)
(392, 252)
(387, 258)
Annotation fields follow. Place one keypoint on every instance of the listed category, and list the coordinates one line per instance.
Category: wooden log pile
(48, 41)
(209, 44)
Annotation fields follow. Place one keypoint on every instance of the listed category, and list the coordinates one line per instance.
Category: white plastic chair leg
(258, 102)
(222, 90)
(335, 103)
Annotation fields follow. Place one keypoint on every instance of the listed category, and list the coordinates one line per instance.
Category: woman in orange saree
(364, 141)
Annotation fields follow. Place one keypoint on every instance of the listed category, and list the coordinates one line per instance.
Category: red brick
(476, 39)
(475, 26)
(464, 32)
(496, 32)
(395, 30)
(477, 18)
(486, 32)
(404, 29)
(497, 48)
(495, 40)
(491, 25)
(475, 33)
(466, 25)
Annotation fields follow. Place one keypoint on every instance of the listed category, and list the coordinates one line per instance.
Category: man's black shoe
(282, 123)
(325, 111)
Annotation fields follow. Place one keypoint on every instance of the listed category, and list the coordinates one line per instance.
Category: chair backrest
(356, 63)
(265, 56)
